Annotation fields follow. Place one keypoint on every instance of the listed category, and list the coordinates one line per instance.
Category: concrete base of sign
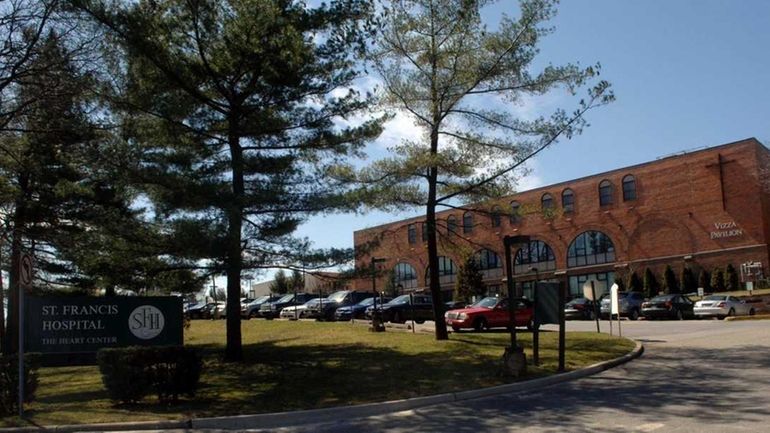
(514, 362)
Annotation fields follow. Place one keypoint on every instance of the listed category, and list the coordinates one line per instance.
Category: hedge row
(9, 381)
(132, 373)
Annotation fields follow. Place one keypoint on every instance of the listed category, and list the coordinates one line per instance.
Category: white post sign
(614, 305)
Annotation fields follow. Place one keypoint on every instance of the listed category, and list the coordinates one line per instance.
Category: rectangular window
(412, 233)
(424, 232)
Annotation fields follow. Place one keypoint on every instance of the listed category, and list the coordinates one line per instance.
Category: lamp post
(513, 358)
(535, 320)
(377, 325)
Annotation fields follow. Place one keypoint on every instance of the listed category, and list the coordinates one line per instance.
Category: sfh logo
(146, 322)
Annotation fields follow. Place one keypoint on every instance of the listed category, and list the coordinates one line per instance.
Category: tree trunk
(234, 349)
(2, 305)
(430, 219)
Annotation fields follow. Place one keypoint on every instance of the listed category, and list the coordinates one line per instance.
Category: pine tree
(732, 280)
(718, 280)
(470, 281)
(296, 282)
(620, 283)
(440, 65)
(281, 283)
(651, 287)
(704, 281)
(635, 283)
(670, 284)
(237, 109)
(689, 285)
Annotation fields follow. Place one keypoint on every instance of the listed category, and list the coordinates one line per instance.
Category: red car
(488, 313)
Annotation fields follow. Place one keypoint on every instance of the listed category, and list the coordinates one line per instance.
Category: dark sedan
(358, 310)
(672, 306)
(399, 310)
(580, 309)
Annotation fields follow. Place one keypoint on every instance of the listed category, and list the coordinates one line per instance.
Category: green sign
(87, 324)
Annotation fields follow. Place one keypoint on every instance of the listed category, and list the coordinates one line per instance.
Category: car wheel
(456, 328)
(679, 315)
(634, 315)
(731, 313)
(591, 315)
(480, 324)
(420, 321)
(531, 324)
(252, 315)
(752, 312)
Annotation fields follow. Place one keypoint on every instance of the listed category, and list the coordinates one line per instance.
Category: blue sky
(686, 74)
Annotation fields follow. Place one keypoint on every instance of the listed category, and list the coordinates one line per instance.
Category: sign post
(615, 307)
(589, 292)
(25, 282)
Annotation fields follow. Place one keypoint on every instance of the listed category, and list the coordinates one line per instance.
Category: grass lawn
(305, 365)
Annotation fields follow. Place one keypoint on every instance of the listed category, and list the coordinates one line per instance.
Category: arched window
(537, 254)
(590, 248)
(451, 225)
(605, 193)
(488, 259)
(515, 212)
(446, 271)
(411, 231)
(405, 276)
(546, 201)
(495, 216)
(568, 200)
(467, 222)
(629, 188)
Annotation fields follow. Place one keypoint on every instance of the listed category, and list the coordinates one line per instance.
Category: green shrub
(132, 373)
(732, 280)
(9, 381)
(670, 284)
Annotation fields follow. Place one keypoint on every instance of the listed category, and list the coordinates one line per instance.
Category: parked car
(722, 306)
(196, 311)
(358, 310)
(491, 312)
(251, 309)
(629, 305)
(454, 305)
(580, 309)
(325, 310)
(399, 310)
(295, 311)
(671, 306)
(214, 310)
(271, 310)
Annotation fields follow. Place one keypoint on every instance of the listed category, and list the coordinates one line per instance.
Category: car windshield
(260, 300)
(286, 298)
(662, 298)
(403, 299)
(338, 296)
(715, 298)
(366, 302)
(488, 302)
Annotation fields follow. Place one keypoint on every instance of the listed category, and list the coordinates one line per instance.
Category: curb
(315, 416)
(763, 316)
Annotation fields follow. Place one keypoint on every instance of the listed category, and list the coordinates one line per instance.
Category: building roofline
(749, 140)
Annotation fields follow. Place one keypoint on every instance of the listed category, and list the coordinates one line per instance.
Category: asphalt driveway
(695, 376)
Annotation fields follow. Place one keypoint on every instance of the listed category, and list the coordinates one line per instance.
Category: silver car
(293, 312)
(722, 306)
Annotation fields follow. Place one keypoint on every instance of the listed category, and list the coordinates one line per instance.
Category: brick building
(702, 209)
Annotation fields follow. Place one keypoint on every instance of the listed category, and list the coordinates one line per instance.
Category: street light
(536, 327)
(377, 325)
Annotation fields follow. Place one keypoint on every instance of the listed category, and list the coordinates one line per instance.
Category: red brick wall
(678, 203)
